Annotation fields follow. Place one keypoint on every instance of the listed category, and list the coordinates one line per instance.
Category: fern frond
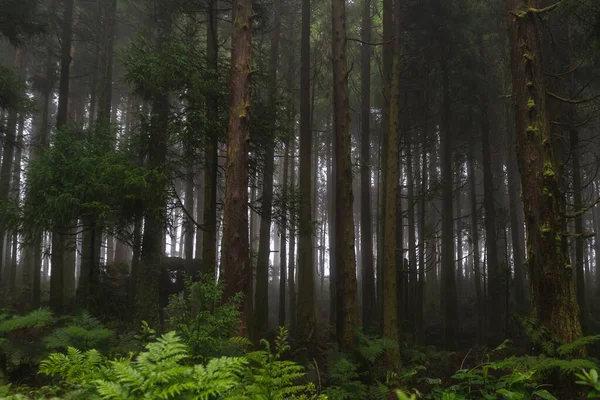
(35, 319)
(569, 348)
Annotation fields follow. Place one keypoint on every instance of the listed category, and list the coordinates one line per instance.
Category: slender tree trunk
(391, 178)
(475, 246)
(387, 67)
(6, 171)
(261, 314)
(369, 306)
(448, 290)
(292, 272)
(347, 304)
(235, 246)
(211, 161)
(283, 246)
(306, 280)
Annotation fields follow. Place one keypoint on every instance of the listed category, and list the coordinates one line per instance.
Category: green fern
(269, 377)
(74, 366)
(35, 319)
(577, 344)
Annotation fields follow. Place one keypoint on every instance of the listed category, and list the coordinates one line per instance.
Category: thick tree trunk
(554, 300)
(235, 246)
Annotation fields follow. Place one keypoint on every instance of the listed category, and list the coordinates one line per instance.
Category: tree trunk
(283, 246)
(58, 236)
(347, 306)
(235, 246)
(6, 171)
(391, 178)
(261, 314)
(554, 300)
(369, 306)
(211, 160)
(448, 290)
(306, 281)
(475, 246)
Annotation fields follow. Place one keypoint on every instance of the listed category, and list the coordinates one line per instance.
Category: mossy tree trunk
(553, 292)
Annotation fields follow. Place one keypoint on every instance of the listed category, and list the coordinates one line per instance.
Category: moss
(568, 266)
(546, 192)
(530, 104)
(532, 130)
(545, 228)
(548, 170)
(529, 84)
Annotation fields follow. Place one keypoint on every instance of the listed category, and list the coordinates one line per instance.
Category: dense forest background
(411, 172)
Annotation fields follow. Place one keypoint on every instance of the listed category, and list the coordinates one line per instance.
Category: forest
(299, 199)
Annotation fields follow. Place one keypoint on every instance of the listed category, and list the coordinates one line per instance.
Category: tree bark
(448, 270)
(235, 246)
(553, 293)
(347, 306)
(261, 314)
(211, 161)
(391, 178)
(369, 306)
(306, 281)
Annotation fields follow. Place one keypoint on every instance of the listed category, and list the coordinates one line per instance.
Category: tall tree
(347, 303)
(553, 293)
(211, 161)
(235, 263)
(306, 276)
(391, 176)
(58, 236)
(366, 223)
(261, 314)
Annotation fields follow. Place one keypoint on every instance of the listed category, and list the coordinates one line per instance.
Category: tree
(553, 293)
(261, 314)
(346, 289)
(306, 279)
(390, 248)
(235, 263)
(366, 224)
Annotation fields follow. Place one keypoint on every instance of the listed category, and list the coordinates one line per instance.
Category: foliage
(203, 322)
(26, 339)
(590, 379)
(83, 174)
(11, 89)
(164, 371)
(21, 20)
(270, 377)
